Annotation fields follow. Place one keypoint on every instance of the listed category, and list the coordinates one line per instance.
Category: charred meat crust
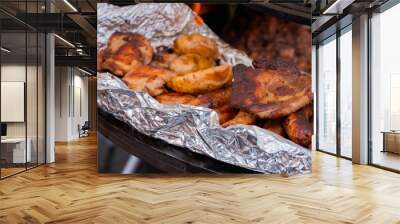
(299, 126)
(271, 92)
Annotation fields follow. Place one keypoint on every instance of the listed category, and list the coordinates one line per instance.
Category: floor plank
(71, 191)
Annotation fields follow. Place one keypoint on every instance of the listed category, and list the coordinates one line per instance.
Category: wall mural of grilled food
(249, 110)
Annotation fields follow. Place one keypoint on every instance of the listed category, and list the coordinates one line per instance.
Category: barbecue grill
(172, 159)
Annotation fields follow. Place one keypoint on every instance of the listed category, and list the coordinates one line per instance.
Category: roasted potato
(196, 44)
(190, 63)
(202, 81)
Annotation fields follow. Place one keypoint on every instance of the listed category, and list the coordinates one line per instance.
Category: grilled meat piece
(202, 81)
(152, 85)
(122, 61)
(219, 100)
(148, 70)
(287, 53)
(124, 51)
(274, 126)
(272, 38)
(196, 44)
(216, 98)
(271, 92)
(177, 98)
(119, 39)
(242, 117)
(190, 63)
(163, 57)
(299, 126)
(225, 113)
(304, 64)
(148, 79)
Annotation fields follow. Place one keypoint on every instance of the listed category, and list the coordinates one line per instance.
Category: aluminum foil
(161, 23)
(194, 128)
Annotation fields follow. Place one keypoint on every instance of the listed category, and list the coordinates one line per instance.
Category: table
(13, 150)
(391, 141)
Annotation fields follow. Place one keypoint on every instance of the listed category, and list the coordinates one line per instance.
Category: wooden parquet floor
(71, 191)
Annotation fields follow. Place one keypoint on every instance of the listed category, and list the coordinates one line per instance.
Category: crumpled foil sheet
(161, 24)
(194, 128)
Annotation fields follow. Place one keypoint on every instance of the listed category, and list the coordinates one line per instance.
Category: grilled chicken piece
(122, 61)
(148, 79)
(216, 98)
(202, 81)
(152, 85)
(242, 117)
(119, 39)
(272, 38)
(299, 126)
(163, 57)
(287, 53)
(225, 113)
(196, 44)
(274, 126)
(303, 63)
(219, 100)
(190, 63)
(177, 98)
(271, 92)
(148, 70)
(124, 51)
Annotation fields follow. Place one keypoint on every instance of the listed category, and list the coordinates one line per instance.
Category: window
(385, 89)
(346, 92)
(314, 90)
(326, 96)
(22, 75)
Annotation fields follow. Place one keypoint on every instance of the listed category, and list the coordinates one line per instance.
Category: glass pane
(314, 90)
(327, 96)
(32, 98)
(41, 98)
(385, 84)
(346, 94)
(13, 87)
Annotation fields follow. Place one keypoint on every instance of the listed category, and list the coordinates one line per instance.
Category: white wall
(71, 94)
(61, 114)
(15, 72)
(80, 109)
(33, 127)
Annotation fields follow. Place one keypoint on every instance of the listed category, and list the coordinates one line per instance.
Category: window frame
(337, 34)
(31, 30)
(381, 9)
